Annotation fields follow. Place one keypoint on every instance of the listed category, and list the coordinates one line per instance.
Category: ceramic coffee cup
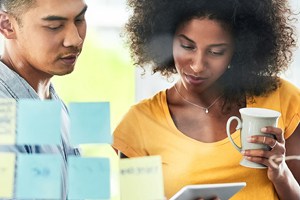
(251, 122)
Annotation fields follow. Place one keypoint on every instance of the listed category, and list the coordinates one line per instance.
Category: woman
(228, 55)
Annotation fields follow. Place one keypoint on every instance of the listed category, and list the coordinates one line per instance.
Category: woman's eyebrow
(212, 45)
(185, 37)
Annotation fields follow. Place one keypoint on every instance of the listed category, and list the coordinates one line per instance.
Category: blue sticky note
(90, 123)
(39, 176)
(39, 122)
(89, 178)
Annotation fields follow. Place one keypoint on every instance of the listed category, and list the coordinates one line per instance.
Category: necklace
(203, 108)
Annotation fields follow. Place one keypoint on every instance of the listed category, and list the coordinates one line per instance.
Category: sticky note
(7, 121)
(7, 173)
(89, 178)
(141, 178)
(39, 176)
(39, 122)
(90, 123)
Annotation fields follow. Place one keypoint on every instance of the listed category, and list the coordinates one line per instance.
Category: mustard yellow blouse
(148, 129)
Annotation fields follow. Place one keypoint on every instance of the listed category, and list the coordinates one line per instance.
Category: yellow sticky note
(7, 173)
(7, 121)
(141, 178)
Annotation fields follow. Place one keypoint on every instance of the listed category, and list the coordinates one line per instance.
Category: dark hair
(264, 39)
(16, 7)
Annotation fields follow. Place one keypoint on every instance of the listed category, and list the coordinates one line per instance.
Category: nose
(73, 37)
(198, 63)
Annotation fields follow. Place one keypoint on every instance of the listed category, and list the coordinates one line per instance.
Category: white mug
(251, 122)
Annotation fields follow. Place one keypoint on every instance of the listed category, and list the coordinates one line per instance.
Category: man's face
(50, 36)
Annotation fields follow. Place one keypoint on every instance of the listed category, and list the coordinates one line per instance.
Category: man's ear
(6, 26)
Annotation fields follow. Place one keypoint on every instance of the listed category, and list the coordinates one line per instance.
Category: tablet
(206, 191)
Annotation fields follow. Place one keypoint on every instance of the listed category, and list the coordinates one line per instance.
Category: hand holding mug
(277, 145)
(258, 135)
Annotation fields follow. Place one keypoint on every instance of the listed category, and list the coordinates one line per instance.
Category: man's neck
(39, 81)
(43, 90)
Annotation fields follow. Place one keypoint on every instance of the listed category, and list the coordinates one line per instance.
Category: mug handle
(239, 126)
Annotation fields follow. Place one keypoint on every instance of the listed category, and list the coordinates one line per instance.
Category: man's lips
(69, 59)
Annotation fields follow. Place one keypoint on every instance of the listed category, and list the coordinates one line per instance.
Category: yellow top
(148, 129)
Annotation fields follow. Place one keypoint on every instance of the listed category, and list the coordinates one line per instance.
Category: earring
(228, 67)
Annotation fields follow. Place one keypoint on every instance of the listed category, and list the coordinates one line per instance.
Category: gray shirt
(14, 86)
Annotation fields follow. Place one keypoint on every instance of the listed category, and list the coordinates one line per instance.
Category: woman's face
(202, 50)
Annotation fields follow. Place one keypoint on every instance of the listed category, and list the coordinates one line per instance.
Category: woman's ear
(6, 26)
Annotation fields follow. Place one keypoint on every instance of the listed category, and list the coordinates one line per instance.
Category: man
(42, 38)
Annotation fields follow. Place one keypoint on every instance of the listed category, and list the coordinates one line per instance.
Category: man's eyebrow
(60, 18)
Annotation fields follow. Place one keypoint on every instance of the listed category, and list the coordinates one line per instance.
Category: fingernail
(264, 129)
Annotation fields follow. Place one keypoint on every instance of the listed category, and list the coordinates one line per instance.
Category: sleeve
(127, 136)
(290, 107)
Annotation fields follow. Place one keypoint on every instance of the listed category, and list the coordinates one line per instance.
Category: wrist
(280, 175)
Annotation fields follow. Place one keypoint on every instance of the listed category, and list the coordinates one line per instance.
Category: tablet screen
(206, 191)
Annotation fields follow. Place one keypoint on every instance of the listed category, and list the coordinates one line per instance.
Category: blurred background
(105, 72)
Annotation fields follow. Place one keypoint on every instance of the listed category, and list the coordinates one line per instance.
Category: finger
(259, 160)
(267, 140)
(258, 156)
(271, 162)
(277, 132)
(258, 153)
(263, 157)
(278, 149)
(274, 145)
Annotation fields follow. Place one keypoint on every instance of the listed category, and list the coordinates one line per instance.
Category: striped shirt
(14, 86)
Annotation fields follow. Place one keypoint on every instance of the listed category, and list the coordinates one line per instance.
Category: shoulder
(5, 91)
(150, 108)
(286, 93)
(8, 81)
(288, 88)
(156, 101)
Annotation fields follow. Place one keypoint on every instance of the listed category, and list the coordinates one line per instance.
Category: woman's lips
(195, 79)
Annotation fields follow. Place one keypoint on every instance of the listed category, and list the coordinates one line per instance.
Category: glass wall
(104, 71)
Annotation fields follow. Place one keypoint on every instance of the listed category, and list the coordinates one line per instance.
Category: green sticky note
(7, 121)
(7, 173)
(141, 178)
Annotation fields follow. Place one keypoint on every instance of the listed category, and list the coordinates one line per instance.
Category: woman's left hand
(277, 145)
